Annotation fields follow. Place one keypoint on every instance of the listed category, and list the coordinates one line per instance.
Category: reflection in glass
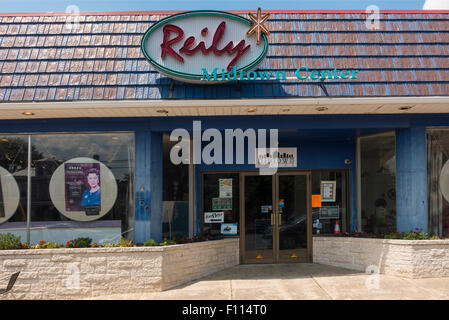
(293, 213)
(211, 191)
(14, 158)
(175, 205)
(378, 183)
(258, 211)
(437, 157)
(115, 151)
(327, 222)
(49, 151)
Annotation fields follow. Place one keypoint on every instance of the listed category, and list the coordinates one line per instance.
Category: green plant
(150, 243)
(79, 243)
(52, 245)
(409, 235)
(24, 245)
(9, 241)
(125, 243)
(167, 242)
(434, 237)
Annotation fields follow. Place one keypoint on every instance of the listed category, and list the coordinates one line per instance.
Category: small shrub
(167, 242)
(24, 245)
(410, 235)
(151, 243)
(125, 243)
(79, 243)
(95, 245)
(52, 245)
(9, 241)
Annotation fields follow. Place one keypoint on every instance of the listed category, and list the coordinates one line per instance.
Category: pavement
(303, 281)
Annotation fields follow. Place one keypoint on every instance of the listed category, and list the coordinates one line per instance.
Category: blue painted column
(411, 179)
(148, 187)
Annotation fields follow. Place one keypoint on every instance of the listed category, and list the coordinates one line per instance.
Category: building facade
(83, 112)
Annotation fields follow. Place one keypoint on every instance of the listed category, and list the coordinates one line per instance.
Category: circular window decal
(83, 189)
(444, 181)
(9, 195)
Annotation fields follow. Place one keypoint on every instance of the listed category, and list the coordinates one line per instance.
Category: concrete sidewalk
(297, 282)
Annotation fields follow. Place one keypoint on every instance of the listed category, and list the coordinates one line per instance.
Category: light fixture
(26, 113)
(251, 110)
(405, 108)
(321, 109)
(286, 110)
(162, 111)
(4, 139)
(115, 138)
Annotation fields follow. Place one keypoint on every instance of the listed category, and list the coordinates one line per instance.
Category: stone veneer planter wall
(406, 258)
(48, 273)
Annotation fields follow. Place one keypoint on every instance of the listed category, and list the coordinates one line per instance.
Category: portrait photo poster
(82, 187)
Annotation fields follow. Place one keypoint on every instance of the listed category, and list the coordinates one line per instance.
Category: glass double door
(276, 217)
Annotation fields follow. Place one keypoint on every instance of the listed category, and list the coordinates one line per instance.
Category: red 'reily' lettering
(187, 49)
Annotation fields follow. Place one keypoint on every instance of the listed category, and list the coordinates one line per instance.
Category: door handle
(272, 219)
(280, 219)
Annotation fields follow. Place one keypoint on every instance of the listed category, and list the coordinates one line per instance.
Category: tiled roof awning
(40, 60)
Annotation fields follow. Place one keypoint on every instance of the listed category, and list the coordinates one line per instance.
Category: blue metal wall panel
(142, 187)
(156, 184)
(411, 179)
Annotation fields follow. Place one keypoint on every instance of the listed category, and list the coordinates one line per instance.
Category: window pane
(220, 195)
(82, 187)
(378, 183)
(330, 208)
(437, 178)
(175, 205)
(13, 184)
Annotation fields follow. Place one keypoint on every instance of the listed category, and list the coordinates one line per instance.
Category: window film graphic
(82, 187)
(9, 195)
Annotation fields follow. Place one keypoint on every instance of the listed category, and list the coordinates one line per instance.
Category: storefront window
(438, 181)
(377, 176)
(175, 205)
(221, 204)
(81, 186)
(13, 181)
(331, 186)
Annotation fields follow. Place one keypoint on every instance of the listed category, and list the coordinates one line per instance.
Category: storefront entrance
(275, 216)
(276, 220)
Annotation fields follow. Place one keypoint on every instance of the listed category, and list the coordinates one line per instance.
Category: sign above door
(183, 45)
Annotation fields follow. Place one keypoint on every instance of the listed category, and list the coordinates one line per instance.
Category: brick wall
(406, 258)
(56, 273)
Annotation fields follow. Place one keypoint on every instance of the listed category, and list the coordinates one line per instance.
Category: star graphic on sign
(258, 24)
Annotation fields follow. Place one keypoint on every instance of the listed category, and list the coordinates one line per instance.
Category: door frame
(243, 259)
(308, 175)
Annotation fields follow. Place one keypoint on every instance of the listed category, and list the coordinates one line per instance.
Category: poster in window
(328, 190)
(82, 184)
(83, 189)
(225, 188)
